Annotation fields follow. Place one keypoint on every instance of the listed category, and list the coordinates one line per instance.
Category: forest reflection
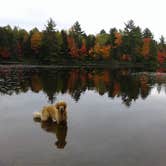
(127, 84)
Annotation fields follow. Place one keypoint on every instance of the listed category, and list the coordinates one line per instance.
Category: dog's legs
(58, 121)
(44, 118)
(44, 115)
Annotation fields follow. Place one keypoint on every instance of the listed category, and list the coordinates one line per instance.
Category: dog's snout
(61, 109)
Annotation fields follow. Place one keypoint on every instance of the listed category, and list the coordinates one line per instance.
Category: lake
(115, 117)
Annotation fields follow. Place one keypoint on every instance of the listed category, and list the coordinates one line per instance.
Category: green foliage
(103, 39)
(77, 33)
(162, 45)
(76, 28)
(64, 51)
(90, 41)
(153, 51)
(132, 40)
(112, 37)
(50, 47)
(50, 27)
(147, 33)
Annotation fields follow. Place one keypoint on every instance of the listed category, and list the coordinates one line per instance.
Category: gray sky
(93, 15)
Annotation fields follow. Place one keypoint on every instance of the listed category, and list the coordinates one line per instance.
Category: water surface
(115, 117)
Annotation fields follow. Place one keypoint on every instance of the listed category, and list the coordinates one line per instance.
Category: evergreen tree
(50, 50)
(147, 33)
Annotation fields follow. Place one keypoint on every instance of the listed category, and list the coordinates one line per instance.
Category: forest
(51, 46)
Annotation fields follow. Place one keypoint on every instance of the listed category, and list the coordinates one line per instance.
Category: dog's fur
(55, 112)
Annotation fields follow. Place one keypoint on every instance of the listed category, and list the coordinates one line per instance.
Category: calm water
(115, 117)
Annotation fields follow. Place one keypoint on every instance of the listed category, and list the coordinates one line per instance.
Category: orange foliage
(104, 51)
(36, 83)
(104, 77)
(118, 40)
(83, 50)
(116, 89)
(72, 46)
(146, 46)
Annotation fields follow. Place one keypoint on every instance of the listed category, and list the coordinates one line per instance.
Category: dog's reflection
(60, 130)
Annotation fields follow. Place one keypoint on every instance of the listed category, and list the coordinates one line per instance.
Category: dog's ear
(65, 105)
(57, 105)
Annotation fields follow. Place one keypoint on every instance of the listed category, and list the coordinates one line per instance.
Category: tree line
(51, 46)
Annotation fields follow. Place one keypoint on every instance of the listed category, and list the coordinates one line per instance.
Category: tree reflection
(60, 130)
(121, 83)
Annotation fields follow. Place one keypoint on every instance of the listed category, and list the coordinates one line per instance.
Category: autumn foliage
(73, 50)
(36, 39)
(118, 40)
(146, 47)
(52, 46)
(4, 53)
(161, 56)
(104, 51)
(83, 50)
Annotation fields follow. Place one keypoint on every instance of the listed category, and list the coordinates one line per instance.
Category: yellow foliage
(118, 40)
(104, 51)
(36, 41)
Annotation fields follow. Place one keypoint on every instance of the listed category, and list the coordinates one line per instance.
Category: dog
(57, 112)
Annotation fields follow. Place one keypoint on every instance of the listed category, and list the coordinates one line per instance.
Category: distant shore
(84, 65)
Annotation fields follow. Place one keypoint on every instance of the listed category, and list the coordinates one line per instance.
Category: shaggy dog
(55, 112)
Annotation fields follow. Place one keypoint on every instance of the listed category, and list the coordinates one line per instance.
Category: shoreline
(70, 66)
(85, 65)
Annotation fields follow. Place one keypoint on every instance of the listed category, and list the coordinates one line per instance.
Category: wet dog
(55, 112)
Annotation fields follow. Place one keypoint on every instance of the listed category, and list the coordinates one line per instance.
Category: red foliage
(146, 46)
(161, 70)
(125, 57)
(161, 56)
(4, 52)
(83, 50)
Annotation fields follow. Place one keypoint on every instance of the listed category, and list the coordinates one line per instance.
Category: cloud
(93, 15)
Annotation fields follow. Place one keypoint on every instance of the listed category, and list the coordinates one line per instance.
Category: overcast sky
(93, 15)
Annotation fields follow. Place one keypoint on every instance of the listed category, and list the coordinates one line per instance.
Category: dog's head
(61, 106)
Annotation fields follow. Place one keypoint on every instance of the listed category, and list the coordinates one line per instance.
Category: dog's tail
(37, 115)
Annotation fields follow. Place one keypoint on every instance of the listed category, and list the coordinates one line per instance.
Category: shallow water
(115, 117)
